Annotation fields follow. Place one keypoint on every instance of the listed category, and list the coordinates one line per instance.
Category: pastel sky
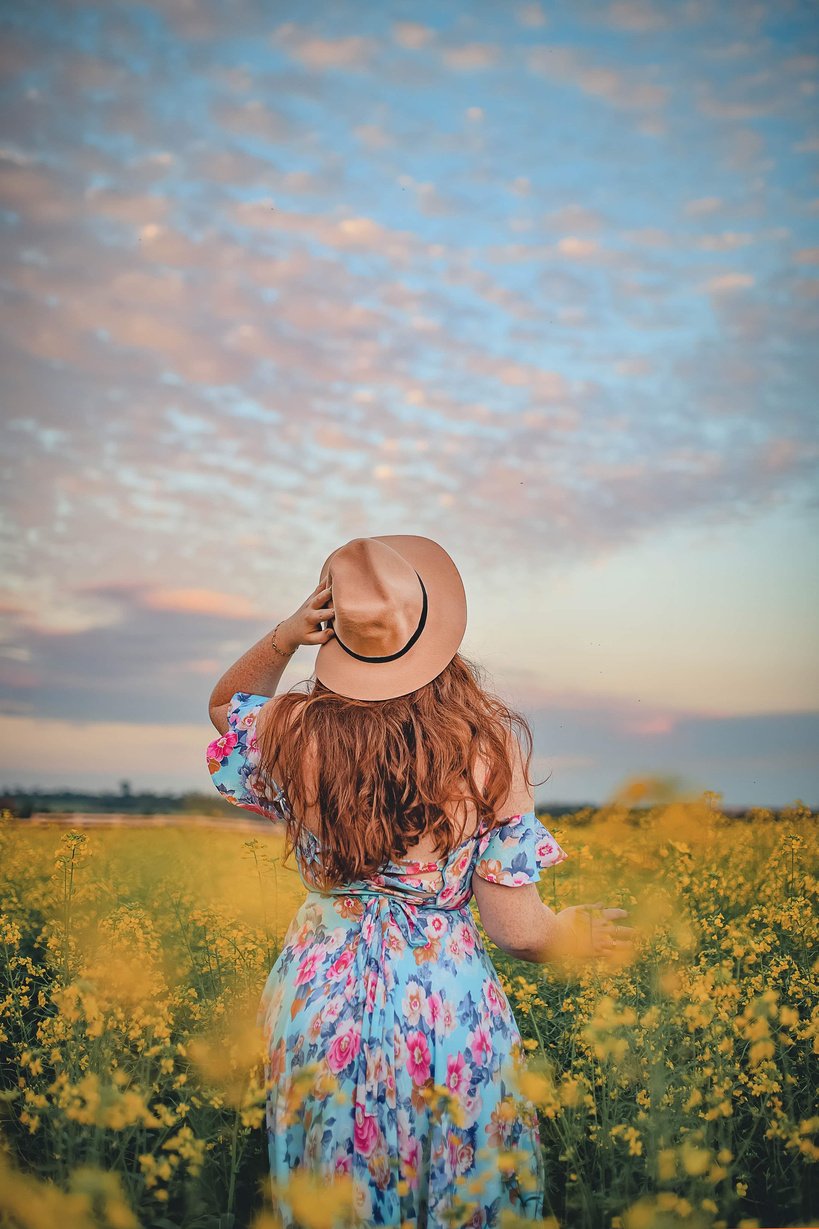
(538, 281)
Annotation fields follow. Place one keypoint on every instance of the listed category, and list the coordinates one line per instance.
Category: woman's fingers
(323, 633)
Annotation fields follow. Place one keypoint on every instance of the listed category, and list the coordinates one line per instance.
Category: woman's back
(391, 1047)
(425, 849)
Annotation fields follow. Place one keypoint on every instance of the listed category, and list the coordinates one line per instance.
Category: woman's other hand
(302, 627)
(591, 931)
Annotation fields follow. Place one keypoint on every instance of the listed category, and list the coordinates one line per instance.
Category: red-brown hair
(387, 770)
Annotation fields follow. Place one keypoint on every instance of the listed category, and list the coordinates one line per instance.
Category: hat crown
(399, 616)
(377, 597)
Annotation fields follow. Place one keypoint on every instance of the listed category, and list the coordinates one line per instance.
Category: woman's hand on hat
(302, 627)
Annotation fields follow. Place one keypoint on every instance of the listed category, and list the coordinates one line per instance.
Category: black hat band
(407, 646)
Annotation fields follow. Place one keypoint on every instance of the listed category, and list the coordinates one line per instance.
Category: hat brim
(433, 650)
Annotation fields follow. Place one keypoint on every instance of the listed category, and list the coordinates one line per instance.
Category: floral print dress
(391, 1048)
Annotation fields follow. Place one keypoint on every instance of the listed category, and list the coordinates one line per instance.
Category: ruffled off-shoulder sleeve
(233, 760)
(515, 853)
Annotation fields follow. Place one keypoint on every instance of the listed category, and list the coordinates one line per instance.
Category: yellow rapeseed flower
(318, 1203)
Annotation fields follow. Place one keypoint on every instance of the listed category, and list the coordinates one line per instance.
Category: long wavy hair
(386, 771)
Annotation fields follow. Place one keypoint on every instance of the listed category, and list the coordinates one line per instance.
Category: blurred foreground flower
(94, 1200)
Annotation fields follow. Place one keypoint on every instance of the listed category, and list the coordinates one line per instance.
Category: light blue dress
(386, 1003)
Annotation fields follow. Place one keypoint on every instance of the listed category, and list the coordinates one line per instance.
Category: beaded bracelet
(281, 652)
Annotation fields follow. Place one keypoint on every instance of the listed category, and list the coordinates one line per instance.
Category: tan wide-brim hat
(399, 616)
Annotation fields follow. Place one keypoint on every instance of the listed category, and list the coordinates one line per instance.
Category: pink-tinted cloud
(351, 52)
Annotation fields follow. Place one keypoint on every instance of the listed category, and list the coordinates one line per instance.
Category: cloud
(577, 249)
(352, 52)
(470, 57)
(201, 602)
(649, 237)
(643, 17)
(614, 86)
(704, 205)
(726, 282)
(531, 16)
(412, 35)
(634, 367)
(576, 217)
(728, 241)
(428, 199)
(373, 136)
(256, 118)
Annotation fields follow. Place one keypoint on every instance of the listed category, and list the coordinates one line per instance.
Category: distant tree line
(23, 803)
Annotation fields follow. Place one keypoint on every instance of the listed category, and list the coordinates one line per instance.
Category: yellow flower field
(676, 1090)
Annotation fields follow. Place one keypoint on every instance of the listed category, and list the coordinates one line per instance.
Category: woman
(391, 1049)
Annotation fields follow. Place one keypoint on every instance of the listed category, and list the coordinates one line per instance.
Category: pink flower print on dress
(464, 1159)
(220, 749)
(453, 947)
(343, 1165)
(461, 1155)
(336, 938)
(414, 1002)
(371, 984)
(344, 1047)
(308, 967)
(432, 1008)
(375, 1067)
(480, 1045)
(514, 878)
(460, 864)
(547, 848)
(472, 1105)
(458, 1074)
(333, 1009)
(410, 1154)
(399, 1048)
(466, 937)
(493, 998)
(351, 987)
(418, 1057)
(341, 964)
(448, 1019)
(367, 927)
(396, 942)
(404, 1129)
(365, 1132)
(447, 893)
